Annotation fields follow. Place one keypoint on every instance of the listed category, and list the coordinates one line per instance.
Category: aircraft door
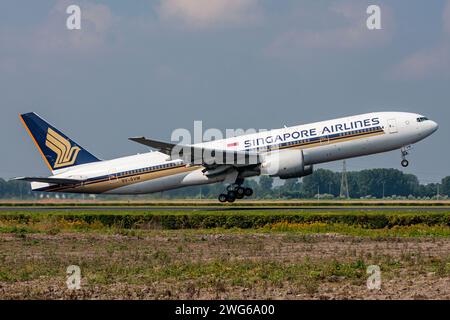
(392, 124)
(113, 177)
(324, 140)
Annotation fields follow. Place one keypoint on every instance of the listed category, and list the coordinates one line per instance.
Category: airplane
(289, 152)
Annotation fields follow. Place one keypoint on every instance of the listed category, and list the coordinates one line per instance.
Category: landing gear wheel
(240, 191)
(248, 192)
(223, 197)
(231, 196)
(405, 163)
(405, 151)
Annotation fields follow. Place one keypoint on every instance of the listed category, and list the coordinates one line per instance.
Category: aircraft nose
(430, 127)
(434, 126)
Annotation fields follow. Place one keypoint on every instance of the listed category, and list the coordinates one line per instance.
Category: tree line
(371, 183)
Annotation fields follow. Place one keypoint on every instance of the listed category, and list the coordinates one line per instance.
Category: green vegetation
(415, 230)
(360, 223)
(374, 183)
(161, 265)
(247, 204)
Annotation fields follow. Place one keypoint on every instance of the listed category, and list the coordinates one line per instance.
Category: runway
(225, 208)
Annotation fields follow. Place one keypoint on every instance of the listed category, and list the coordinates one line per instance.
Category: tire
(404, 163)
(239, 195)
(240, 191)
(223, 197)
(231, 196)
(248, 192)
(230, 187)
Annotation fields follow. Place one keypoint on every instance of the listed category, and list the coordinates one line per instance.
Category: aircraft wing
(61, 181)
(164, 147)
(210, 158)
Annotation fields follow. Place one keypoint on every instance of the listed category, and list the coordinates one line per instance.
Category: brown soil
(34, 265)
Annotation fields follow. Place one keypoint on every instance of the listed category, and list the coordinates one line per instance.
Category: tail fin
(55, 147)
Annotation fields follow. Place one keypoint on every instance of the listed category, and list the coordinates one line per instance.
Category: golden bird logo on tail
(66, 155)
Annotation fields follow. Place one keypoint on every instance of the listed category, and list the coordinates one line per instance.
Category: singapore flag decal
(233, 144)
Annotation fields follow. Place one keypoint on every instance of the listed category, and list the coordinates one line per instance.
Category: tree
(291, 188)
(265, 185)
(370, 182)
(445, 186)
(323, 180)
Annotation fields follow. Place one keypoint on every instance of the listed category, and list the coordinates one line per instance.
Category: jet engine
(285, 164)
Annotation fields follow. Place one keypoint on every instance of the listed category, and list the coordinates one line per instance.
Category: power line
(344, 182)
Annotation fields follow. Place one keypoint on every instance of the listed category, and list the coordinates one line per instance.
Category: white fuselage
(320, 142)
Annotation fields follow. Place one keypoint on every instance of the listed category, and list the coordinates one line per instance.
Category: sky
(147, 67)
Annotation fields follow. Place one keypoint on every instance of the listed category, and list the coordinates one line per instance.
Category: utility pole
(344, 182)
(437, 193)
(318, 193)
(383, 189)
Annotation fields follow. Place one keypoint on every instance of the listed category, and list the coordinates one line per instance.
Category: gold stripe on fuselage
(111, 183)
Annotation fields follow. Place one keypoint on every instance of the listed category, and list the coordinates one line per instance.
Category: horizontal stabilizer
(61, 181)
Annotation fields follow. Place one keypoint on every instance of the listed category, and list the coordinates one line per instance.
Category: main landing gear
(405, 152)
(235, 191)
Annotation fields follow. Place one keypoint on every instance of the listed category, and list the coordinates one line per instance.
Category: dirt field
(207, 264)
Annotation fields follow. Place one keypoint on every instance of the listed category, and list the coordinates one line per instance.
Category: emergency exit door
(392, 124)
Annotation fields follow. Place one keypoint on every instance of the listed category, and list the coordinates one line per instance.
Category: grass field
(214, 202)
(251, 254)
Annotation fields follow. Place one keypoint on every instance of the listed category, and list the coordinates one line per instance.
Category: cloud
(210, 13)
(345, 29)
(446, 18)
(423, 63)
(36, 47)
(427, 62)
(53, 36)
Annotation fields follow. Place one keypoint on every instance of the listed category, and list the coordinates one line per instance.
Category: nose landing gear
(404, 163)
(235, 191)
(405, 152)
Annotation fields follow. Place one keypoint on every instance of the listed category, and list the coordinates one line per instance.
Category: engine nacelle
(286, 164)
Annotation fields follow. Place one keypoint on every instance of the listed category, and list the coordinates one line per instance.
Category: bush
(237, 220)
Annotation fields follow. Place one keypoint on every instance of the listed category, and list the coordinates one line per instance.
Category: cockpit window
(421, 119)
